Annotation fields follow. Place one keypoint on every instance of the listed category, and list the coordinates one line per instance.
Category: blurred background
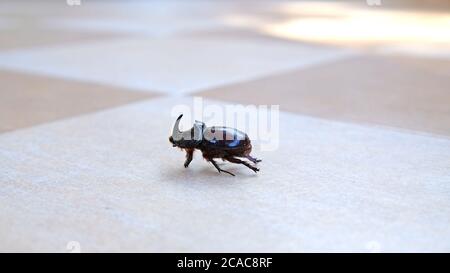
(398, 78)
(86, 93)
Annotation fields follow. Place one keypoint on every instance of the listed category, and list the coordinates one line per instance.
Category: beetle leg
(252, 159)
(218, 168)
(189, 157)
(238, 161)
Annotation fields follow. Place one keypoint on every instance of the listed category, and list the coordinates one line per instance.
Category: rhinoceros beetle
(214, 142)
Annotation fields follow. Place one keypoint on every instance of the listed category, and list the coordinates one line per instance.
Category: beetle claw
(218, 168)
(252, 159)
(232, 174)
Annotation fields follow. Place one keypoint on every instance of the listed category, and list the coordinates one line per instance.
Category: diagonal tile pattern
(92, 89)
(27, 100)
(171, 65)
(403, 92)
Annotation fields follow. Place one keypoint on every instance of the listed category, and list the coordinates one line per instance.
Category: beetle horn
(176, 133)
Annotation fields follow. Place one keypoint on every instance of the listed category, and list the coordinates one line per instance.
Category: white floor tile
(112, 182)
(169, 65)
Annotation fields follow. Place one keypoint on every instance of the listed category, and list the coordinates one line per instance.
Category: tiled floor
(170, 65)
(405, 92)
(363, 162)
(27, 100)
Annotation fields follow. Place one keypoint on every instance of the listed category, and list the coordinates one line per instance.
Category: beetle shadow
(208, 173)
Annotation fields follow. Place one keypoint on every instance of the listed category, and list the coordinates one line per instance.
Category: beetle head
(187, 139)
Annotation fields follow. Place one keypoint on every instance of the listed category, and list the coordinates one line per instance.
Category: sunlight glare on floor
(356, 25)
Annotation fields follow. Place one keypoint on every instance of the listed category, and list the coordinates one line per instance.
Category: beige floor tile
(31, 31)
(27, 100)
(24, 38)
(404, 92)
(246, 34)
